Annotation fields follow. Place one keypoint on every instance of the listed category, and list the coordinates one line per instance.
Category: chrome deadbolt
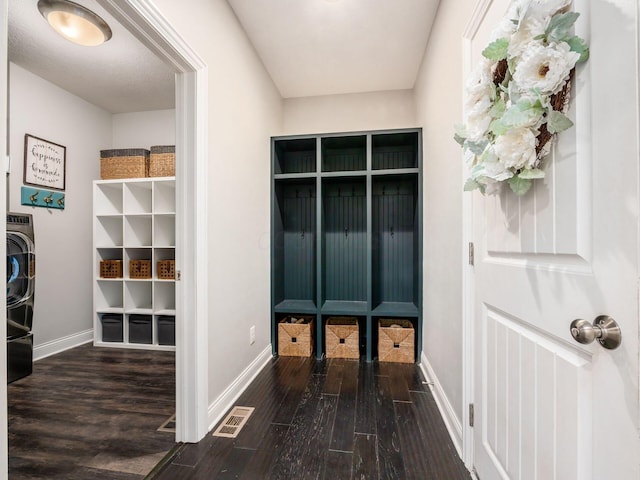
(604, 329)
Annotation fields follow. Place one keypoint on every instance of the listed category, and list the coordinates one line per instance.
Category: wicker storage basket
(295, 336)
(162, 162)
(140, 268)
(167, 269)
(342, 337)
(110, 268)
(124, 163)
(396, 341)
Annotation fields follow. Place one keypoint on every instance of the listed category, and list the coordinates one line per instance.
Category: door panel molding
(536, 401)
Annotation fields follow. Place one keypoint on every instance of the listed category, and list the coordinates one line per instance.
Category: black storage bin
(111, 328)
(140, 329)
(166, 330)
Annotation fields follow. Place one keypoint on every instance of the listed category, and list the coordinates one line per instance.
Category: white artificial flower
(478, 125)
(481, 79)
(517, 148)
(548, 8)
(497, 171)
(504, 29)
(477, 106)
(545, 68)
(522, 38)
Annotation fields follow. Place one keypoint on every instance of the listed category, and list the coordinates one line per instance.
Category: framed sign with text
(44, 163)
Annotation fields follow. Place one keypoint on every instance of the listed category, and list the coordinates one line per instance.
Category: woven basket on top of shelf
(162, 162)
(124, 163)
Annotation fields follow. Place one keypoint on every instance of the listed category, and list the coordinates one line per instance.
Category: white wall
(439, 106)
(144, 129)
(349, 112)
(64, 261)
(245, 110)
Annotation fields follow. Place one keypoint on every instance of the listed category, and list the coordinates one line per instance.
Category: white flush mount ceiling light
(74, 22)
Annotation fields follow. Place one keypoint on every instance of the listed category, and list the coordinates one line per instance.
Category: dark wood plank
(235, 464)
(302, 454)
(391, 458)
(337, 465)
(210, 464)
(344, 425)
(89, 410)
(366, 404)
(267, 401)
(441, 454)
(172, 472)
(262, 462)
(296, 380)
(399, 389)
(365, 458)
(333, 381)
(412, 443)
(414, 378)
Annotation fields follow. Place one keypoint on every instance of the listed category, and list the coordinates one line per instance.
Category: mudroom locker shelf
(347, 231)
(134, 230)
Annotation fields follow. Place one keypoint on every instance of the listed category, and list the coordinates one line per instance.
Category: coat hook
(346, 232)
(34, 197)
(302, 233)
(48, 199)
(392, 232)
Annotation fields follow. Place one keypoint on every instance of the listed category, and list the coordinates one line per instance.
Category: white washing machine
(21, 273)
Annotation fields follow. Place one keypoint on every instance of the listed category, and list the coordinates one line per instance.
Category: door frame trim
(143, 19)
(468, 287)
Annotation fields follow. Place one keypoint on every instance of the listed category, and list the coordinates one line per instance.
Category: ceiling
(323, 47)
(121, 75)
(309, 47)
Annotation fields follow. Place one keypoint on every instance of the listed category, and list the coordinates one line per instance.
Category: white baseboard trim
(61, 344)
(446, 409)
(225, 401)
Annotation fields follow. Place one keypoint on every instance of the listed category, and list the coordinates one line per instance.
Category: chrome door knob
(604, 329)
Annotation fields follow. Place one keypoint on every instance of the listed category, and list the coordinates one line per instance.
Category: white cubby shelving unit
(134, 219)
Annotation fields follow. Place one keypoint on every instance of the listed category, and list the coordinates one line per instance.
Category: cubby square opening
(343, 154)
(394, 151)
(295, 156)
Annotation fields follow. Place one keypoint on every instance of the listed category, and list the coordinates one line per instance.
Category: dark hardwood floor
(92, 413)
(333, 420)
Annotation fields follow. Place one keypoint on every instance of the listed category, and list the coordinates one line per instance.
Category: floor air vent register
(233, 423)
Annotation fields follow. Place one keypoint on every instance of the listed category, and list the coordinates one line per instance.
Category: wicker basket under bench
(295, 336)
(396, 341)
(342, 337)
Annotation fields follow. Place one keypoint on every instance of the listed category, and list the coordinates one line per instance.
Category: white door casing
(545, 406)
(146, 22)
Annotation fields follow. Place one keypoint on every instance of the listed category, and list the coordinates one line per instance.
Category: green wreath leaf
(519, 185)
(578, 45)
(496, 50)
(558, 122)
(560, 25)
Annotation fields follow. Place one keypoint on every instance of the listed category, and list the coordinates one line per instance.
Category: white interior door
(547, 407)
